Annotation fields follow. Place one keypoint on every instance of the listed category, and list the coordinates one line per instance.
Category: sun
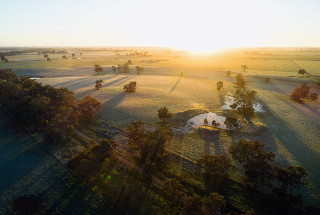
(202, 49)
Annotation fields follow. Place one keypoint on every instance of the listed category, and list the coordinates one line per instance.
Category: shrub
(300, 93)
(131, 87)
(231, 123)
(215, 124)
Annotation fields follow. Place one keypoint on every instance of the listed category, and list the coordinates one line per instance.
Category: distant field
(293, 129)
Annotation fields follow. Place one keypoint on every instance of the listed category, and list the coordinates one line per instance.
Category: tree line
(44, 109)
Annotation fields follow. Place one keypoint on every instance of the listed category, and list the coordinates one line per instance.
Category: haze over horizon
(192, 25)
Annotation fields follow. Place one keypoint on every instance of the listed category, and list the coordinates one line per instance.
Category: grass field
(293, 129)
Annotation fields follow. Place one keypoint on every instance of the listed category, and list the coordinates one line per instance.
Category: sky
(200, 25)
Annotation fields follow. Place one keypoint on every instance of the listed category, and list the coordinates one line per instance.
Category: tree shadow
(295, 148)
(175, 85)
(210, 138)
(112, 103)
(114, 82)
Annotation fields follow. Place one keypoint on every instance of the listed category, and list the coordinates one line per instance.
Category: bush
(300, 93)
(231, 123)
(131, 87)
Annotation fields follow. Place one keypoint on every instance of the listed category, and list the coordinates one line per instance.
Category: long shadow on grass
(175, 85)
(112, 103)
(295, 146)
(209, 138)
(117, 81)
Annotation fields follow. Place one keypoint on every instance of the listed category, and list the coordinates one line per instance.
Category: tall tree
(164, 114)
(244, 67)
(216, 170)
(240, 82)
(255, 160)
(243, 102)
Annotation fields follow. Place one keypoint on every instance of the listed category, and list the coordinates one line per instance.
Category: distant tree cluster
(43, 108)
(137, 53)
(303, 92)
(123, 68)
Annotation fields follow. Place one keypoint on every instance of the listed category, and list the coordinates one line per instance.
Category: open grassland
(293, 129)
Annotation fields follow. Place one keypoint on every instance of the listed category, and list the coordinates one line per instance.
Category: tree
(205, 122)
(114, 69)
(164, 114)
(136, 135)
(240, 82)
(302, 72)
(231, 123)
(45, 55)
(290, 178)
(243, 102)
(64, 57)
(219, 85)
(255, 160)
(228, 73)
(86, 107)
(153, 148)
(27, 204)
(300, 93)
(215, 169)
(48, 59)
(138, 70)
(129, 62)
(244, 67)
(215, 203)
(104, 149)
(215, 124)
(98, 84)
(126, 68)
(173, 189)
(73, 54)
(313, 96)
(131, 87)
(98, 69)
(192, 206)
